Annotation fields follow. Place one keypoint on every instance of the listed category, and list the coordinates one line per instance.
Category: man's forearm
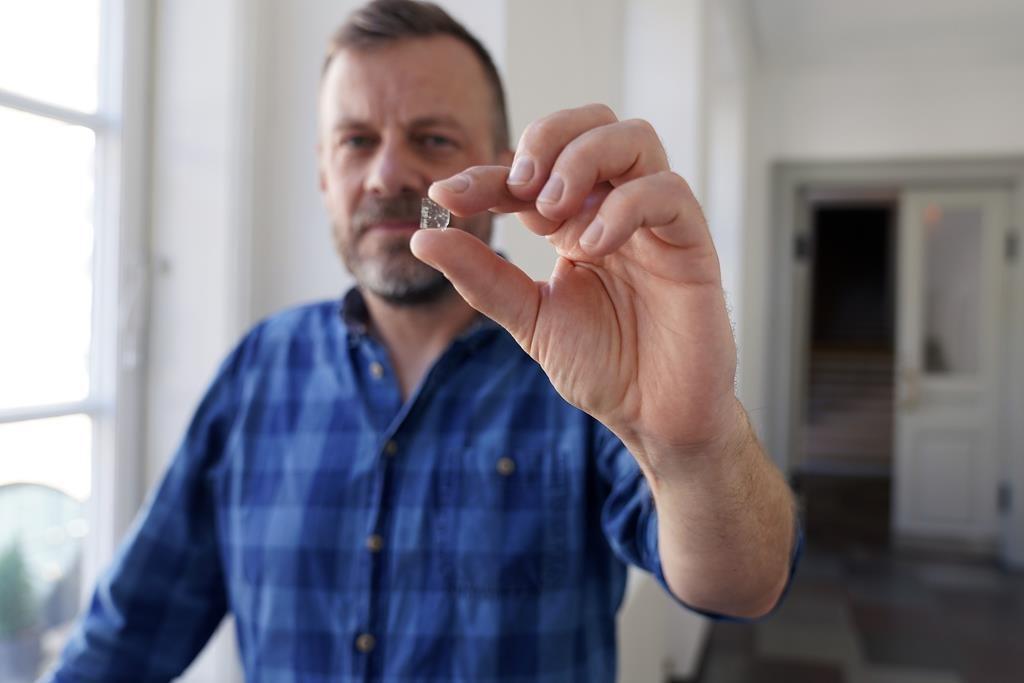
(725, 525)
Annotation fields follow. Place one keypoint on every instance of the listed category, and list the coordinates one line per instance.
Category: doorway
(898, 350)
(847, 434)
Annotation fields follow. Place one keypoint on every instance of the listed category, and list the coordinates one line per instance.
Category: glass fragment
(433, 215)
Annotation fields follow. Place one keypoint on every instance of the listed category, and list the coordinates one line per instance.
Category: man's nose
(394, 171)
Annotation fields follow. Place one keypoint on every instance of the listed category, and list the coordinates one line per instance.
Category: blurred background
(862, 169)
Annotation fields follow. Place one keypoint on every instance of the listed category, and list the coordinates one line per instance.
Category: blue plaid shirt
(479, 531)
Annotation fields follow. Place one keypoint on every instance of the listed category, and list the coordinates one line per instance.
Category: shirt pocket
(506, 520)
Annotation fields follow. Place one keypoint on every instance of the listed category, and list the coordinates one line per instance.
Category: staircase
(844, 478)
(849, 417)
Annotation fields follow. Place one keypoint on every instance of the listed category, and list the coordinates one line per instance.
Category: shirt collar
(354, 314)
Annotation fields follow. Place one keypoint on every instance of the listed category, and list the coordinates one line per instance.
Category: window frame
(120, 276)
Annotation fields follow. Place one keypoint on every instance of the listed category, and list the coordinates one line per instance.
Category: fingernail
(459, 183)
(552, 191)
(521, 172)
(592, 235)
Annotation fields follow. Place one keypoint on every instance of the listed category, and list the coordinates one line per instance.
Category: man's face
(393, 119)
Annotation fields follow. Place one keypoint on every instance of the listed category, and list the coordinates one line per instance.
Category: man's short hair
(385, 21)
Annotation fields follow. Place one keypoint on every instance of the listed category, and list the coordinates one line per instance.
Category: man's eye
(436, 141)
(357, 141)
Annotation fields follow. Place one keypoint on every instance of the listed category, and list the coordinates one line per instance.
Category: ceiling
(880, 33)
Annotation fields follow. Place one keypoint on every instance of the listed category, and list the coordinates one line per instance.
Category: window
(65, 237)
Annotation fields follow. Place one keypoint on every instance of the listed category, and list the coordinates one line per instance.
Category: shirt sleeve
(162, 597)
(630, 522)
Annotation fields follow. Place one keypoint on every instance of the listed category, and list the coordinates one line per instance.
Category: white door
(951, 274)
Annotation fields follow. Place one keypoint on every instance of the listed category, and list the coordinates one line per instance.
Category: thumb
(487, 282)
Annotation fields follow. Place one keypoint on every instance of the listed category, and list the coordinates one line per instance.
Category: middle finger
(615, 153)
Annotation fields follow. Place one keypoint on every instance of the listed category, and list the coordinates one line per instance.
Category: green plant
(17, 611)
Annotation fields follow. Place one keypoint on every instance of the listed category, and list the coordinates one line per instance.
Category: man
(400, 489)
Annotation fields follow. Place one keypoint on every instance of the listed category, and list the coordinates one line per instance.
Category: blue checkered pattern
(477, 532)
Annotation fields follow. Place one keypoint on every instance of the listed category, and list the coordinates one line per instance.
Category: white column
(200, 209)
(663, 78)
(663, 81)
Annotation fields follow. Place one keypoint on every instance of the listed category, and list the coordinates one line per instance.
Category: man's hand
(632, 325)
(632, 328)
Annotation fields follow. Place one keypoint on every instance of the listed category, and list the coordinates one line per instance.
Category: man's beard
(391, 272)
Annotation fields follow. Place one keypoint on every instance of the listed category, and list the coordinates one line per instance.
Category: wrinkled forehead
(405, 80)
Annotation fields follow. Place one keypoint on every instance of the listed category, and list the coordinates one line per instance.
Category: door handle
(910, 391)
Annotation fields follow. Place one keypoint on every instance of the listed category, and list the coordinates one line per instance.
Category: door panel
(946, 460)
(951, 270)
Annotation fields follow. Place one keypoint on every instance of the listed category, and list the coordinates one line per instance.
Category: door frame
(791, 180)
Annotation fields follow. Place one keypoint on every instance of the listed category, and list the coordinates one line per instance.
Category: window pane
(46, 239)
(49, 50)
(44, 484)
(952, 289)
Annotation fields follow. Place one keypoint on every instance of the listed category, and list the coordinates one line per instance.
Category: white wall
(866, 113)
(896, 112)
(727, 73)
(557, 56)
(664, 78)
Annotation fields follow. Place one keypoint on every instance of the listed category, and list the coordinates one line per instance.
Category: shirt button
(365, 642)
(390, 448)
(374, 542)
(506, 466)
(377, 370)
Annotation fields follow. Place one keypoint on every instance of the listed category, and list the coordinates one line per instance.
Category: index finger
(475, 190)
(484, 188)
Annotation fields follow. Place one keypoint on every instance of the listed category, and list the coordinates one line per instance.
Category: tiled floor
(871, 616)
